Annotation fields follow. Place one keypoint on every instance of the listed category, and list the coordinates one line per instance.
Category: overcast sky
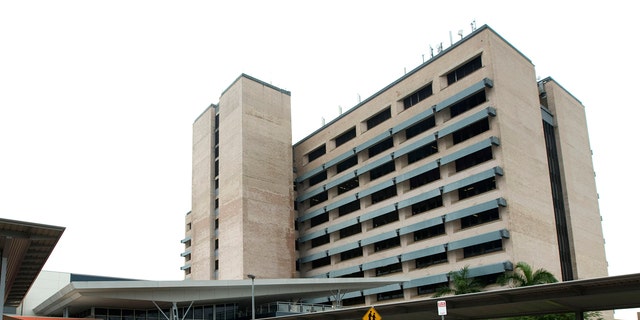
(97, 99)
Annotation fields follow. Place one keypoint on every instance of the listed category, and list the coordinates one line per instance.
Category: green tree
(461, 283)
(523, 276)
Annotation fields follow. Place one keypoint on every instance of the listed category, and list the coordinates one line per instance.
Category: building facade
(466, 160)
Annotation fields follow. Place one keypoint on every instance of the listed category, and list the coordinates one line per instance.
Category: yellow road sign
(372, 314)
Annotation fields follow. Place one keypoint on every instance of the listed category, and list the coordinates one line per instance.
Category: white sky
(97, 99)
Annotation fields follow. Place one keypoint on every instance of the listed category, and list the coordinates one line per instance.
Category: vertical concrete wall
(256, 213)
(202, 191)
(579, 188)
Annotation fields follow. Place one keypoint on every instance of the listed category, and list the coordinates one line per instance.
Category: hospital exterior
(467, 160)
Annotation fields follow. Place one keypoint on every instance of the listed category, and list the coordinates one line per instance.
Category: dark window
(351, 230)
(473, 159)
(353, 301)
(424, 178)
(428, 232)
(468, 103)
(385, 219)
(321, 262)
(418, 96)
(217, 121)
(350, 254)
(427, 205)
(349, 207)
(488, 279)
(392, 268)
(318, 198)
(346, 136)
(384, 194)
(396, 294)
(431, 260)
(379, 118)
(346, 164)
(386, 244)
(319, 177)
(348, 185)
(317, 153)
(477, 188)
(319, 219)
(381, 170)
(216, 152)
(428, 289)
(380, 147)
(315, 242)
(216, 168)
(483, 248)
(422, 152)
(480, 218)
(359, 274)
(471, 131)
(464, 70)
(420, 127)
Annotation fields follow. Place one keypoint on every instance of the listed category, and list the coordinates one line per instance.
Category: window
(351, 230)
(359, 274)
(479, 218)
(390, 295)
(418, 96)
(428, 232)
(384, 194)
(483, 248)
(420, 127)
(319, 219)
(464, 70)
(386, 244)
(346, 164)
(428, 289)
(477, 188)
(316, 242)
(348, 185)
(317, 178)
(379, 118)
(422, 152)
(471, 131)
(473, 159)
(321, 262)
(385, 219)
(317, 153)
(318, 198)
(424, 178)
(349, 207)
(346, 136)
(431, 260)
(380, 147)
(381, 170)
(468, 103)
(427, 205)
(353, 301)
(392, 268)
(350, 254)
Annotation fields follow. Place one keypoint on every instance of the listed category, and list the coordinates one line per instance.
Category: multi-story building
(467, 160)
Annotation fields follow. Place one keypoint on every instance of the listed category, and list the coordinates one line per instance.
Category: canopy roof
(26, 246)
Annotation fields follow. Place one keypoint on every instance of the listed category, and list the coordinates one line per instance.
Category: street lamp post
(253, 296)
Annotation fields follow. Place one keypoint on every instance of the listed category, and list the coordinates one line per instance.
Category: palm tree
(523, 276)
(461, 283)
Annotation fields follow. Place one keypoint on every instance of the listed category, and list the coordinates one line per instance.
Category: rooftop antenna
(423, 58)
(460, 34)
(473, 25)
(431, 49)
(340, 109)
(323, 123)
(450, 38)
(359, 99)
(440, 47)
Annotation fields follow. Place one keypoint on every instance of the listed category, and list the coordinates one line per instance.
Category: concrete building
(467, 160)
(242, 212)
